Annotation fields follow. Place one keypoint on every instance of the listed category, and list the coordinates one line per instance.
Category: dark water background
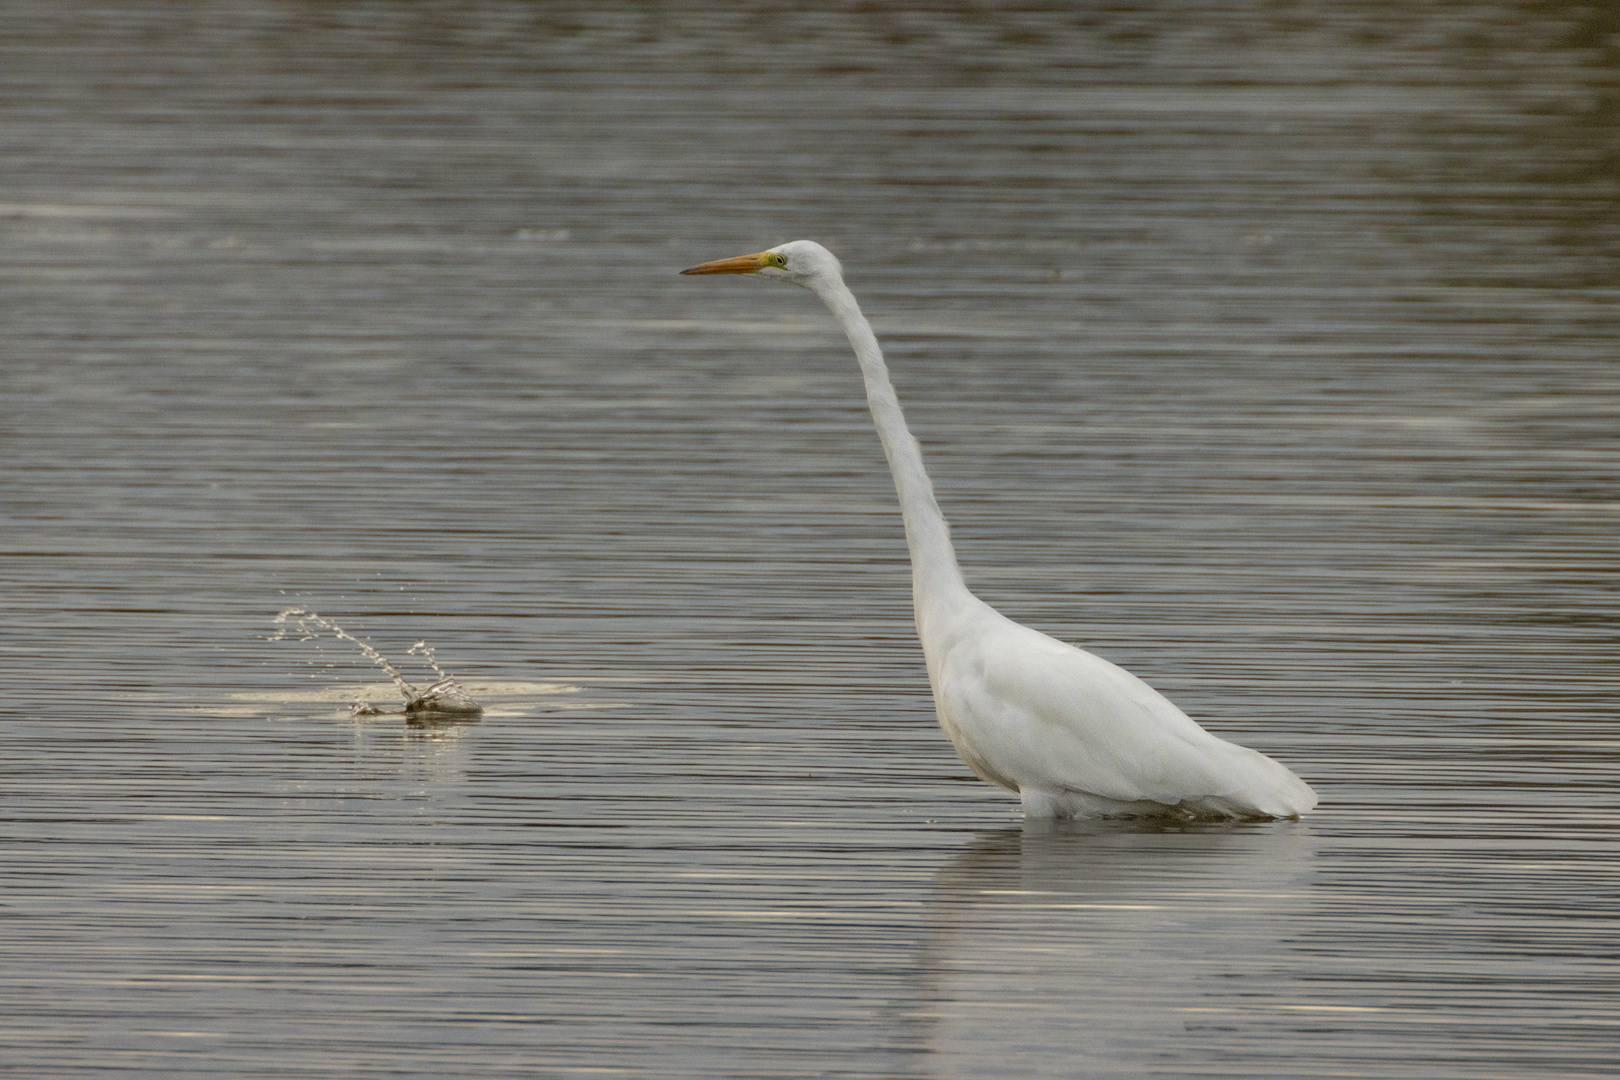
(1265, 348)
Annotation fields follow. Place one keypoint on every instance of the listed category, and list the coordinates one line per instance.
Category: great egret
(1071, 733)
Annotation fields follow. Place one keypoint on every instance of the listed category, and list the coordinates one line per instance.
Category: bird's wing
(1050, 716)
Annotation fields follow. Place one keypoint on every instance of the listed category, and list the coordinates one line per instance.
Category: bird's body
(1071, 733)
(1078, 736)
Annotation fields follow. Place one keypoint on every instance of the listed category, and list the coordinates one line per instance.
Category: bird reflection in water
(1102, 948)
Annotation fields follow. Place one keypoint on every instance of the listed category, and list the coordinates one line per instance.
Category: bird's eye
(775, 259)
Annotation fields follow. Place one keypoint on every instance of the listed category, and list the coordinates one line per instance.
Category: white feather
(1076, 735)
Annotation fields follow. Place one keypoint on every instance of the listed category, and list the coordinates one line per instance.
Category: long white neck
(937, 584)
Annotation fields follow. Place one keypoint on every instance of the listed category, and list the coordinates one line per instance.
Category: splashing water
(444, 696)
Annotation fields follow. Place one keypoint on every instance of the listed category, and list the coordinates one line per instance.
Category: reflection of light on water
(499, 700)
(341, 693)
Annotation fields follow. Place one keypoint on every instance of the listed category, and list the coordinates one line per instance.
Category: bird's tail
(1263, 788)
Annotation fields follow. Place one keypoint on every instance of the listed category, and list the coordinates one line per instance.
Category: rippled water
(1265, 349)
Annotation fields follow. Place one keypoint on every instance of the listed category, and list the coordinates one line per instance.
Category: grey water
(1267, 349)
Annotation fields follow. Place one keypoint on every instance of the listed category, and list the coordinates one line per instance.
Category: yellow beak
(741, 264)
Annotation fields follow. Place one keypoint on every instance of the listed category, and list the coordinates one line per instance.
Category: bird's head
(800, 262)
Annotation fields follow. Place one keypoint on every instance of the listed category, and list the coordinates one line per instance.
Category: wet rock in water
(443, 699)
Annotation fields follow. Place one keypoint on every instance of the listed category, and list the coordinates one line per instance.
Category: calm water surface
(1265, 349)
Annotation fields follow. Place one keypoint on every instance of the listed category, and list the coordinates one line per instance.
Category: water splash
(424, 650)
(444, 696)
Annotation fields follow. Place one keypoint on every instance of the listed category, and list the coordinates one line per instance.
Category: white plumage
(1071, 733)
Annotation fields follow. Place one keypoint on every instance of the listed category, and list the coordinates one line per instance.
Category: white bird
(1071, 733)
